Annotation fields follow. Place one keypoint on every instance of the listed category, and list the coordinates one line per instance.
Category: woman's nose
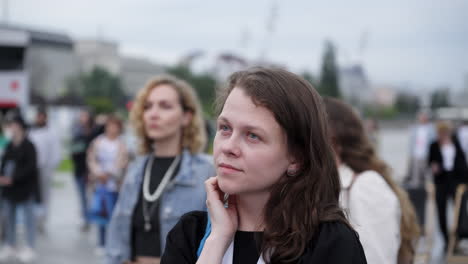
(230, 146)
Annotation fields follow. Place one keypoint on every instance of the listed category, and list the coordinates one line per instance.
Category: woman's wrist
(222, 240)
(214, 249)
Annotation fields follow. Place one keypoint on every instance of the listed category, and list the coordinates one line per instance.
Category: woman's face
(13, 131)
(250, 148)
(112, 129)
(84, 118)
(163, 115)
(444, 135)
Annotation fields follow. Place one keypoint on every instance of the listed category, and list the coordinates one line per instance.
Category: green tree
(328, 84)
(100, 89)
(440, 98)
(203, 83)
(407, 103)
(310, 78)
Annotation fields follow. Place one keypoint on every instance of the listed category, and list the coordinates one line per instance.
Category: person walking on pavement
(448, 165)
(377, 207)
(48, 151)
(421, 136)
(19, 181)
(83, 134)
(167, 180)
(107, 160)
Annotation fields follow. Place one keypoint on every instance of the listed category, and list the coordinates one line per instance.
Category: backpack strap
(207, 234)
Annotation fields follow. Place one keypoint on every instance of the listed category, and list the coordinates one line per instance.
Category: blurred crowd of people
(437, 149)
(286, 162)
(30, 156)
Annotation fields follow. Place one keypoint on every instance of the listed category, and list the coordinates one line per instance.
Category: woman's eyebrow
(224, 119)
(244, 127)
(255, 128)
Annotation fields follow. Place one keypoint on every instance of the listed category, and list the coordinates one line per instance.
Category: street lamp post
(5, 11)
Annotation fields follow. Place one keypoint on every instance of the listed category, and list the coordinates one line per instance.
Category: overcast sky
(416, 42)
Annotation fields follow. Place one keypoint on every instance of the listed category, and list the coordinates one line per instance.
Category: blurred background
(391, 60)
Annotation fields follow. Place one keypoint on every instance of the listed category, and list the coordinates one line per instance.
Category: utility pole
(5, 11)
(270, 28)
(362, 46)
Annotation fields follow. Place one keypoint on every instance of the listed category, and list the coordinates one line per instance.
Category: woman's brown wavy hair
(356, 151)
(297, 204)
(194, 134)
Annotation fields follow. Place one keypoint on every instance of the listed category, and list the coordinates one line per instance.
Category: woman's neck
(445, 141)
(112, 136)
(250, 208)
(168, 148)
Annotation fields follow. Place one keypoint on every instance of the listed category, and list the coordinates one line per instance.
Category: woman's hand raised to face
(224, 221)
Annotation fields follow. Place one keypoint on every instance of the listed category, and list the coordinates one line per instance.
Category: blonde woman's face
(163, 115)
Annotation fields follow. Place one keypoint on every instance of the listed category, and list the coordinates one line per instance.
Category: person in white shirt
(377, 207)
(421, 136)
(107, 160)
(49, 152)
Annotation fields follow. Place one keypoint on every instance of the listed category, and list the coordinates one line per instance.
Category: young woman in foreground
(273, 159)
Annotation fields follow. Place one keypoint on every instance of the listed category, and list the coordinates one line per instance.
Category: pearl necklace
(157, 194)
(167, 176)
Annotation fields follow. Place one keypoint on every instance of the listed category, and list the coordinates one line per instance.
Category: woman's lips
(228, 169)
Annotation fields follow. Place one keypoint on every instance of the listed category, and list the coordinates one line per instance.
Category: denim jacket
(186, 192)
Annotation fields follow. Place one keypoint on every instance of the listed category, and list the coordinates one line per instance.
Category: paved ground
(63, 242)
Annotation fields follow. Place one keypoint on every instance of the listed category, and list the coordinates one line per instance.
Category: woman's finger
(212, 191)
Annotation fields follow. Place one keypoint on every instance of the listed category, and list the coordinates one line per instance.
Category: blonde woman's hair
(194, 134)
(443, 127)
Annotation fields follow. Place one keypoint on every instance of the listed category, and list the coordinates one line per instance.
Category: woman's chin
(226, 187)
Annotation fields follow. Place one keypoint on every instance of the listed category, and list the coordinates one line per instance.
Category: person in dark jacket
(83, 133)
(19, 181)
(448, 166)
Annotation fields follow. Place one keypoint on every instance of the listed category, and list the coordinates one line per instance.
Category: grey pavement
(63, 242)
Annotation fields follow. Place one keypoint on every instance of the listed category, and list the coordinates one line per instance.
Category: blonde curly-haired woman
(168, 179)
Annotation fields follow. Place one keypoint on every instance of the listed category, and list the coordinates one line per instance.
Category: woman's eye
(223, 128)
(147, 106)
(253, 136)
(166, 106)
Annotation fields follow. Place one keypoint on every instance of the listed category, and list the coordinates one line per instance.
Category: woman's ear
(293, 168)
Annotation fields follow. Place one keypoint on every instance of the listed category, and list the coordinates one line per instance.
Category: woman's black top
(333, 243)
(148, 243)
(246, 247)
